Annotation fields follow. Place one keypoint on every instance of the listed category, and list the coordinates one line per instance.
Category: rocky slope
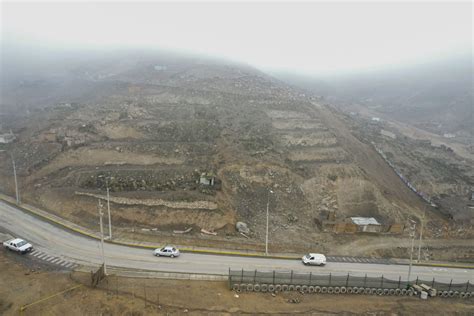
(149, 126)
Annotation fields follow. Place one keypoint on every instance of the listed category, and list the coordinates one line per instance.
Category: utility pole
(421, 236)
(108, 209)
(266, 232)
(102, 237)
(16, 181)
(412, 235)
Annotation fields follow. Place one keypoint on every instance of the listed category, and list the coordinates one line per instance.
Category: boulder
(242, 227)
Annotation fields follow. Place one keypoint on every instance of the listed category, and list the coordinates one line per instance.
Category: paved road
(53, 241)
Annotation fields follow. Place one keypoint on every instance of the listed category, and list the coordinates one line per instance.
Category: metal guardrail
(329, 280)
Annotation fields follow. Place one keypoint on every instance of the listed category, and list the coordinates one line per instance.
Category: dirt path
(371, 163)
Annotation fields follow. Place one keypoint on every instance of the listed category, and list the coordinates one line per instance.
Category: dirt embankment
(207, 205)
(373, 165)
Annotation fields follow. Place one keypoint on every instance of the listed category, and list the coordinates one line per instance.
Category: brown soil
(131, 296)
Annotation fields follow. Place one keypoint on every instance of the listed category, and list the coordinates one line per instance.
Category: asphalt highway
(73, 247)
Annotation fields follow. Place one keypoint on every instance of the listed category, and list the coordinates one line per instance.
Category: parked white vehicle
(316, 259)
(18, 245)
(167, 251)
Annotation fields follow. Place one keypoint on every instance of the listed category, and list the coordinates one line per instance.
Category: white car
(168, 251)
(316, 259)
(18, 245)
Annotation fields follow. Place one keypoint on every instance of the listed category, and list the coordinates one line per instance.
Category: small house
(7, 138)
(367, 224)
(207, 178)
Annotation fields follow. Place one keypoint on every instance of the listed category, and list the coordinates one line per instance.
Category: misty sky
(314, 38)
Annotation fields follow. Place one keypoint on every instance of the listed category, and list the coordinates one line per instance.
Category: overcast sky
(315, 38)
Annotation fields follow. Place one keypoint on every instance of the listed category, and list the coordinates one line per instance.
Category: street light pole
(266, 231)
(102, 237)
(421, 236)
(16, 181)
(412, 235)
(108, 210)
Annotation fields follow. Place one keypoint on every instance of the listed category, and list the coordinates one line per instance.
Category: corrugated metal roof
(362, 221)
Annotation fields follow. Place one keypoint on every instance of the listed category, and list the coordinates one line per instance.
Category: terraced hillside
(157, 124)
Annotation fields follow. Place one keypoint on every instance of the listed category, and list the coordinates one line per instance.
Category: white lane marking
(50, 258)
(68, 264)
(42, 256)
(34, 251)
(56, 260)
(36, 254)
(61, 262)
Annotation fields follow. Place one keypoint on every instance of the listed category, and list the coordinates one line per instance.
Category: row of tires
(455, 294)
(337, 290)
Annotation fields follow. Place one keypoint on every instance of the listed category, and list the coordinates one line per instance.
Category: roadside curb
(51, 218)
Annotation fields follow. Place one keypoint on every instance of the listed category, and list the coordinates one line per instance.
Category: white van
(316, 259)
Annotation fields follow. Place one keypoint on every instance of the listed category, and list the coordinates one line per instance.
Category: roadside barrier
(273, 281)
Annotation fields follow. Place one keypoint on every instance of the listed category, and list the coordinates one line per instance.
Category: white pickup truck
(18, 245)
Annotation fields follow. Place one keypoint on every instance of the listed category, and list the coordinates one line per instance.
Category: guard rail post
(254, 276)
(273, 277)
(347, 280)
(242, 276)
(467, 286)
(329, 279)
(310, 277)
(291, 277)
(432, 282)
(230, 280)
(381, 282)
(365, 280)
(399, 280)
(450, 284)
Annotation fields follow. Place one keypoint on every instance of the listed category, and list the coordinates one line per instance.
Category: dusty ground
(23, 284)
